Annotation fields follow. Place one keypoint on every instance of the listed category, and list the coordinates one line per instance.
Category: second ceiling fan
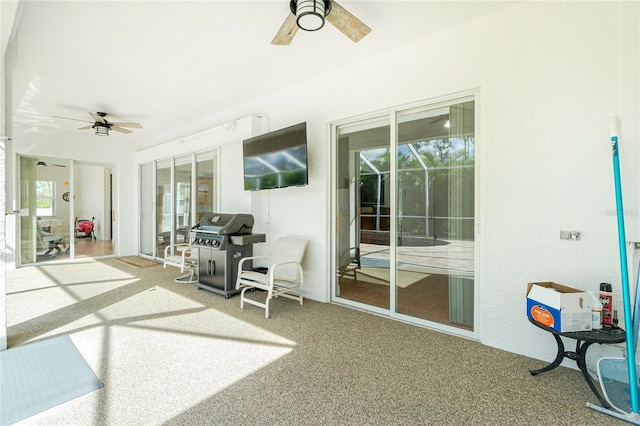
(310, 16)
(102, 126)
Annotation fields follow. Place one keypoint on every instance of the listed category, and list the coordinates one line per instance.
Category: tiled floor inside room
(422, 291)
(84, 247)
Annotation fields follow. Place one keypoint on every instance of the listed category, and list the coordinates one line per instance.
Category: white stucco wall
(550, 76)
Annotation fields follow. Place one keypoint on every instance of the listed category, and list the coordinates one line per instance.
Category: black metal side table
(584, 339)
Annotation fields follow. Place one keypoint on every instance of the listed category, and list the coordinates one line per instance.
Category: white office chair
(283, 276)
(185, 257)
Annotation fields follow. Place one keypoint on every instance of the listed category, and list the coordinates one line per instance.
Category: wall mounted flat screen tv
(276, 159)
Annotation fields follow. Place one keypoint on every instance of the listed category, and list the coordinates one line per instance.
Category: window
(45, 198)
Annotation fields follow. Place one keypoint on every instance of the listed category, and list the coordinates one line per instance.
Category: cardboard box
(560, 307)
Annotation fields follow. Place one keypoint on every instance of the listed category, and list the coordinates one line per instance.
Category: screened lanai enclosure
(405, 213)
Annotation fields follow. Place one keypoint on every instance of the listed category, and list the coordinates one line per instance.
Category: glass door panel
(183, 176)
(28, 237)
(164, 203)
(206, 184)
(435, 214)
(45, 210)
(146, 209)
(363, 213)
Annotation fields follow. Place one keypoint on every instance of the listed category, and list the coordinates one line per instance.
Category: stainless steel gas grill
(222, 240)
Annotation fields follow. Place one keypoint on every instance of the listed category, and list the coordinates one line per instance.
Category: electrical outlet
(570, 235)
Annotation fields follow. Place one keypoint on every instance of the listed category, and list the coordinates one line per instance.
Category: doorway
(405, 214)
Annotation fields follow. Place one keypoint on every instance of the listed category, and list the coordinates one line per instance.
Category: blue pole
(626, 300)
(636, 314)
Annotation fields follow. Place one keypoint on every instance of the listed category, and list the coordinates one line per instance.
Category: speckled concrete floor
(172, 354)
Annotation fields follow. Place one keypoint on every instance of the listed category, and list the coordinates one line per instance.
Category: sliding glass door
(185, 189)
(183, 176)
(146, 208)
(363, 212)
(29, 242)
(435, 183)
(163, 205)
(206, 184)
(405, 214)
(65, 210)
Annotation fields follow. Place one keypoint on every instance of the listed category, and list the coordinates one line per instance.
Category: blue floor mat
(41, 375)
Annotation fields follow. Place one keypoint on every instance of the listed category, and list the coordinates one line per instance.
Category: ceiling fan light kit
(310, 13)
(101, 130)
(101, 125)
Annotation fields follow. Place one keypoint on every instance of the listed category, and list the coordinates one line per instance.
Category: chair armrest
(176, 247)
(248, 258)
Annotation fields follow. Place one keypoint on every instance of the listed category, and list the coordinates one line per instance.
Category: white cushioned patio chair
(349, 263)
(51, 241)
(283, 277)
(185, 257)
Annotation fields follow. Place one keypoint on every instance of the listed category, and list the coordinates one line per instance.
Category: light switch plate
(569, 235)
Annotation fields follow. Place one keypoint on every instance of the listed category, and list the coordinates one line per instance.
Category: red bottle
(606, 296)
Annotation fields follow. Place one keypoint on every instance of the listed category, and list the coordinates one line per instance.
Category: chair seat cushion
(254, 276)
(176, 259)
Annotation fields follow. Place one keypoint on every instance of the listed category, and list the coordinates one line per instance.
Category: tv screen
(276, 159)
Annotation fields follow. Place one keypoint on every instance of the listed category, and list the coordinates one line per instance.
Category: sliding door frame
(391, 115)
(193, 201)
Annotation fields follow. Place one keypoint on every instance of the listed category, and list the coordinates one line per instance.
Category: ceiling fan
(310, 15)
(102, 126)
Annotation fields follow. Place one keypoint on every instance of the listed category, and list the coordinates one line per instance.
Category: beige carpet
(137, 261)
(403, 278)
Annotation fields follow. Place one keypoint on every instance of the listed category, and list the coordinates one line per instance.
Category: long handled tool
(610, 370)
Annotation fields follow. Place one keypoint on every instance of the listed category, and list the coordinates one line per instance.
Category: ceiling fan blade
(346, 23)
(287, 31)
(121, 130)
(74, 119)
(134, 125)
(97, 118)
(86, 127)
